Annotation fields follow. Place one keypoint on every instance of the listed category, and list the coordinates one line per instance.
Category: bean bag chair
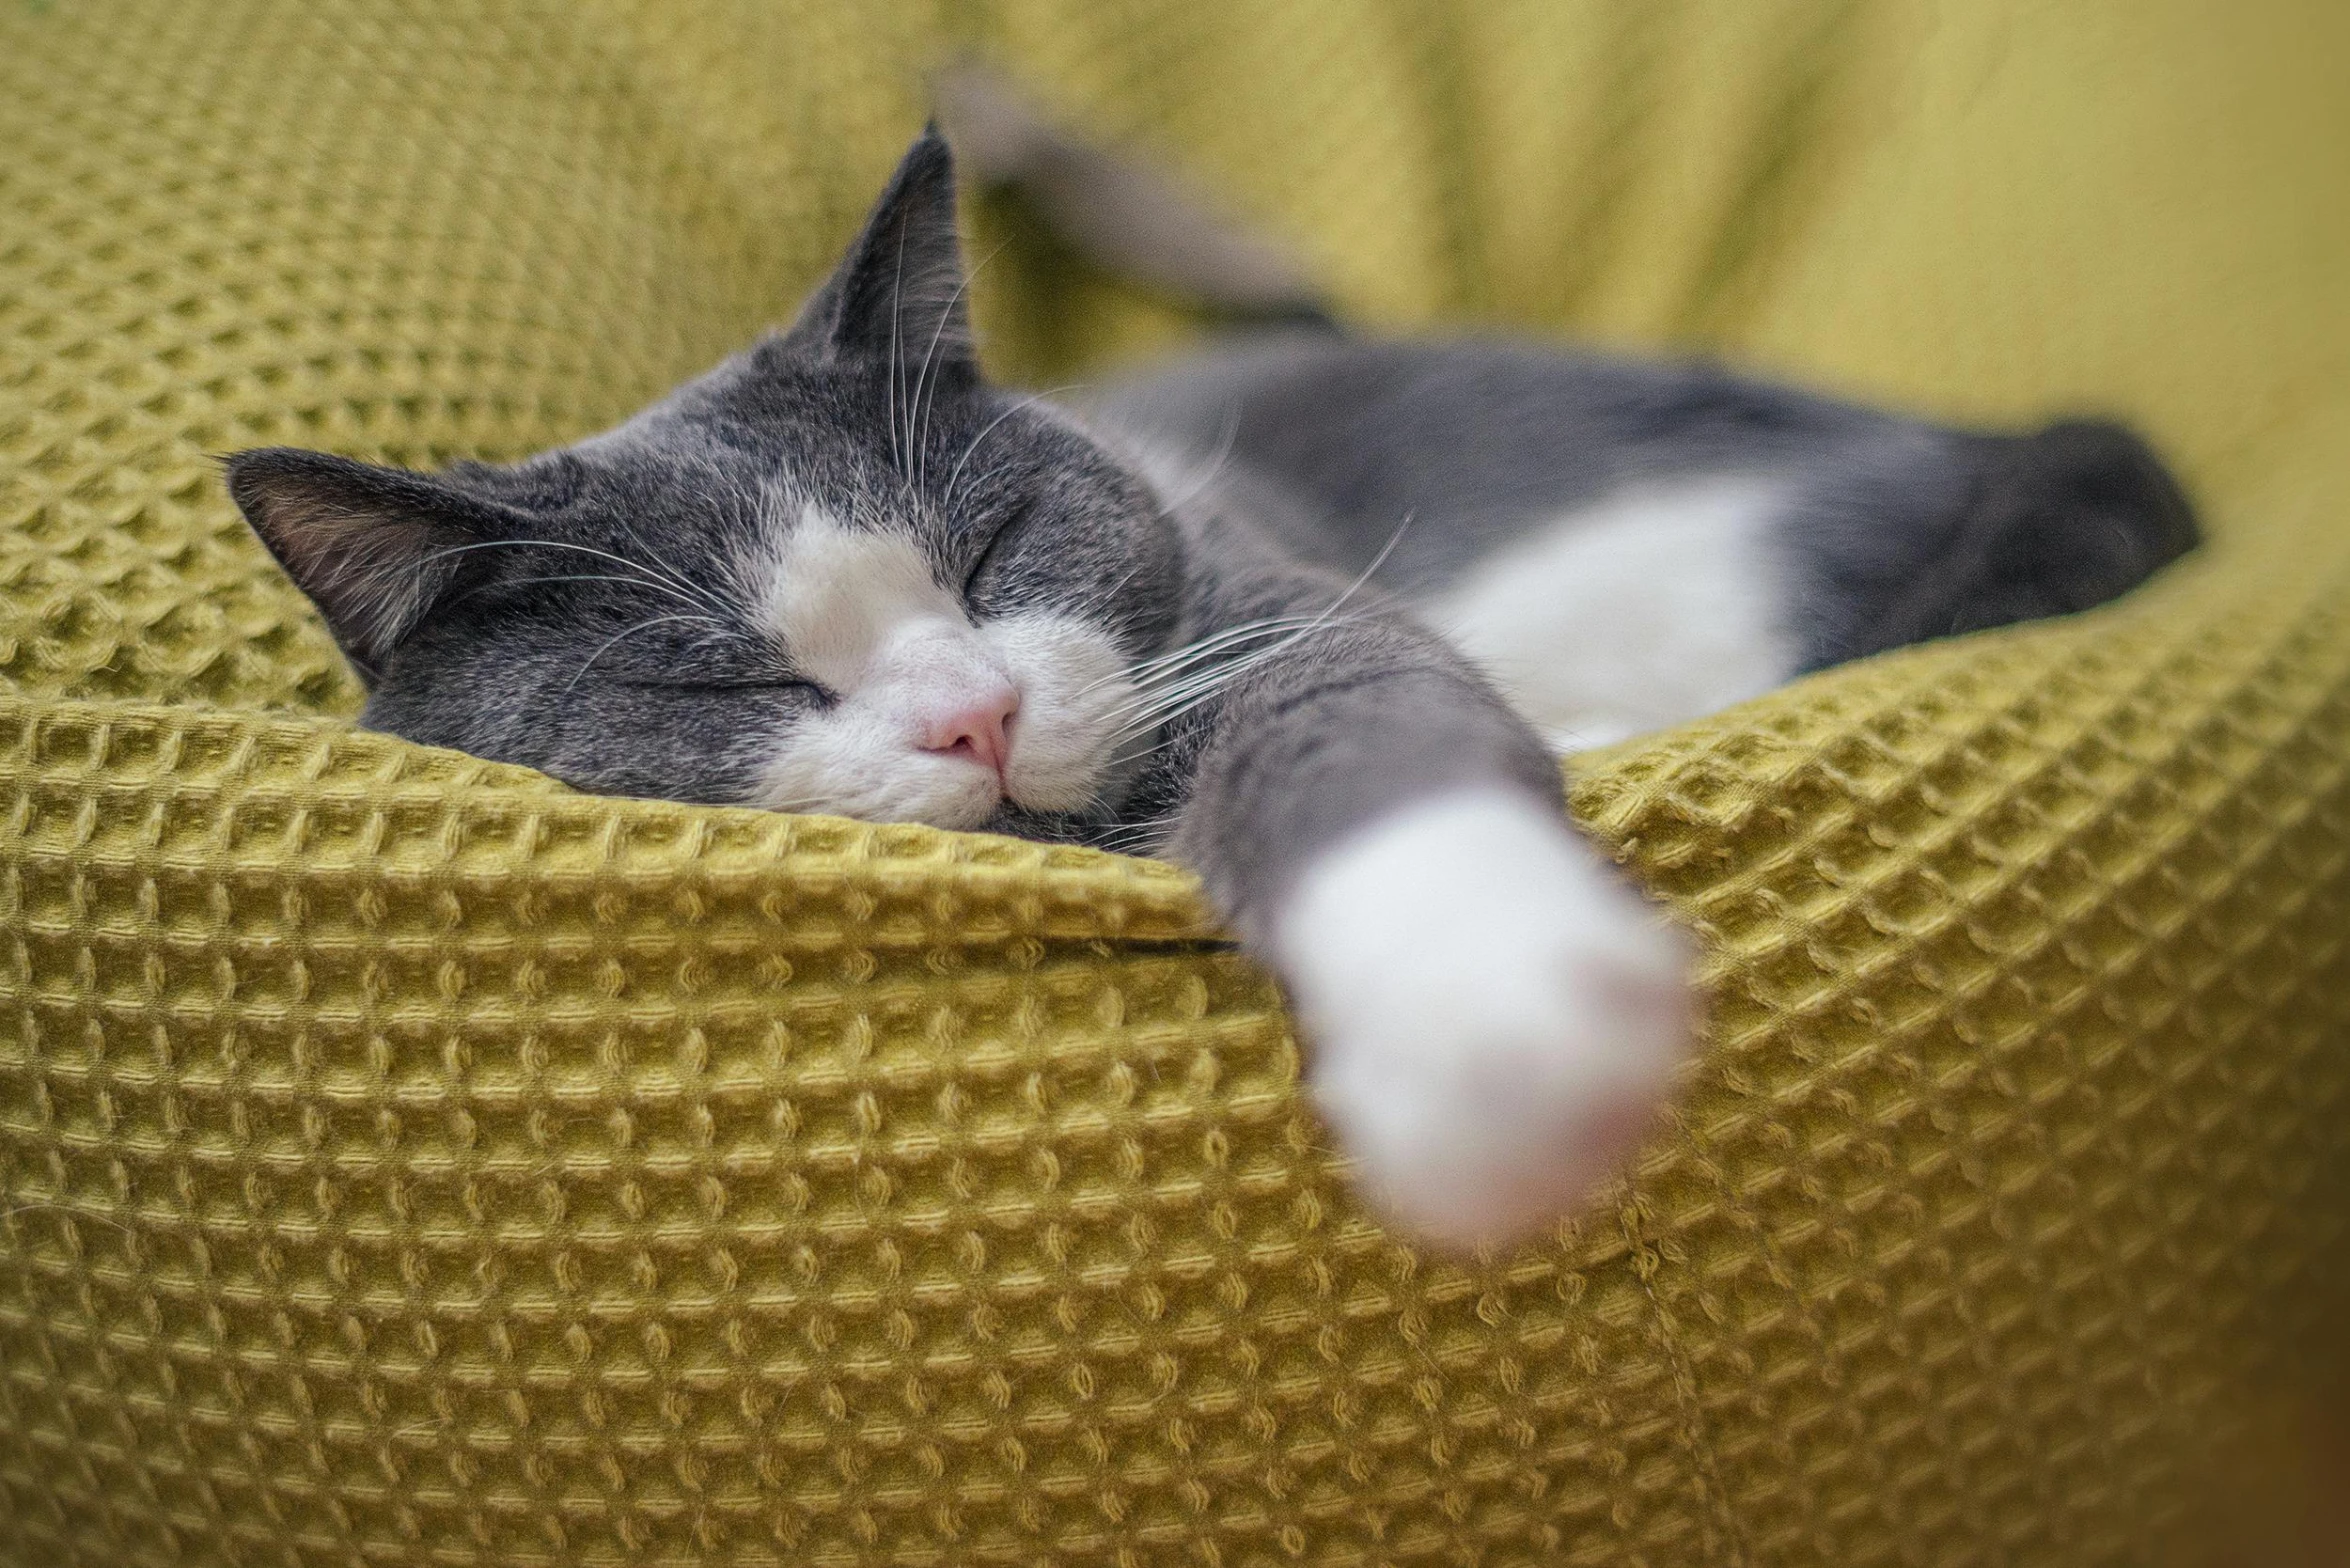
(405, 1160)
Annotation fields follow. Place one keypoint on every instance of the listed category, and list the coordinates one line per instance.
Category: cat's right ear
(374, 548)
(899, 293)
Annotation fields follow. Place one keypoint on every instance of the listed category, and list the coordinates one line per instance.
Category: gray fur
(590, 612)
(1897, 530)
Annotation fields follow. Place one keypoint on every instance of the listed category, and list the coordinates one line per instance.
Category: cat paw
(1494, 1017)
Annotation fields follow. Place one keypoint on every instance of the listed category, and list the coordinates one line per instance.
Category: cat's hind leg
(1890, 547)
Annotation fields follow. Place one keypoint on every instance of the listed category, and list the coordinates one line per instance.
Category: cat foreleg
(1492, 1016)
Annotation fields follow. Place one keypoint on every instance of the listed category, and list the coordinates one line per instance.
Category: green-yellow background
(404, 1160)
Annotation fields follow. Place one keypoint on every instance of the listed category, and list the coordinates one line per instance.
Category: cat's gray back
(1854, 528)
(1474, 439)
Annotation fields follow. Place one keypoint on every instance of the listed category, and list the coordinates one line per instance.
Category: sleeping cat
(1312, 615)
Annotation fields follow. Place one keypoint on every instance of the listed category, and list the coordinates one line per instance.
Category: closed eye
(996, 546)
(774, 684)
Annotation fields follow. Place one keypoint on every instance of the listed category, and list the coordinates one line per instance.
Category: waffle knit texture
(405, 1160)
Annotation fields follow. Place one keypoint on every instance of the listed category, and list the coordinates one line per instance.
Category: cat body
(1625, 544)
(1311, 614)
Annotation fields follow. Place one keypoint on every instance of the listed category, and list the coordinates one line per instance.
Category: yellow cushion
(405, 1159)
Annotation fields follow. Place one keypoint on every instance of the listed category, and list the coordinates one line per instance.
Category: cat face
(839, 573)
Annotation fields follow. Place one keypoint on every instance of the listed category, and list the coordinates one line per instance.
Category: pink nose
(979, 729)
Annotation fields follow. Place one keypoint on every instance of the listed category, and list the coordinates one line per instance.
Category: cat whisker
(1160, 706)
(1217, 459)
(64, 1211)
(613, 642)
(1155, 700)
(920, 418)
(671, 574)
(643, 577)
(584, 577)
(1147, 837)
(897, 456)
(809, 805)
(1191, 650)
(955, 474)
(1167, 665)
(1187, 695)
(1143, 835)
(1152, 675)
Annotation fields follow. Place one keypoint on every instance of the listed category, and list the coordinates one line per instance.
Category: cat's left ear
(900, 295)
(376, 549)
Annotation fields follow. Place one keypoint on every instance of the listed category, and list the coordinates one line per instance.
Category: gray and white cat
(1310, 614)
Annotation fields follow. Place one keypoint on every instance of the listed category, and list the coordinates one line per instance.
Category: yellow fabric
(406, 1160)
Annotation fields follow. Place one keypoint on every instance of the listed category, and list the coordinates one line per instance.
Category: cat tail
(1127, 219)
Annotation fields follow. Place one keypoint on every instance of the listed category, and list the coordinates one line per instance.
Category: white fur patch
(1649, 609)
(839, 597)
(861, 614)
(1073, 693)
(1494, 1016)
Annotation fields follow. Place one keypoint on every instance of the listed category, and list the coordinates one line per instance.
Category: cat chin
(857, 766)
(1494, 1018)
(932, 793)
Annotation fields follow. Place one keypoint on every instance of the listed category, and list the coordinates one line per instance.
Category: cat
(1309, 613)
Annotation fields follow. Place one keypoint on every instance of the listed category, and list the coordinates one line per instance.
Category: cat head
(841, 572)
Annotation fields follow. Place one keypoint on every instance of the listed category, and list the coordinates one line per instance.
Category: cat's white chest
(1647, 609)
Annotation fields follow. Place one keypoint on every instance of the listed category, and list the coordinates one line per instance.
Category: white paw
(1494, 1018)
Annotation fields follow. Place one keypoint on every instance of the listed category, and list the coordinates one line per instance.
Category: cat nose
(979, 728)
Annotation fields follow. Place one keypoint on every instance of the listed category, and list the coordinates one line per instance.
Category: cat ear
(900, 295)
(374, 548)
